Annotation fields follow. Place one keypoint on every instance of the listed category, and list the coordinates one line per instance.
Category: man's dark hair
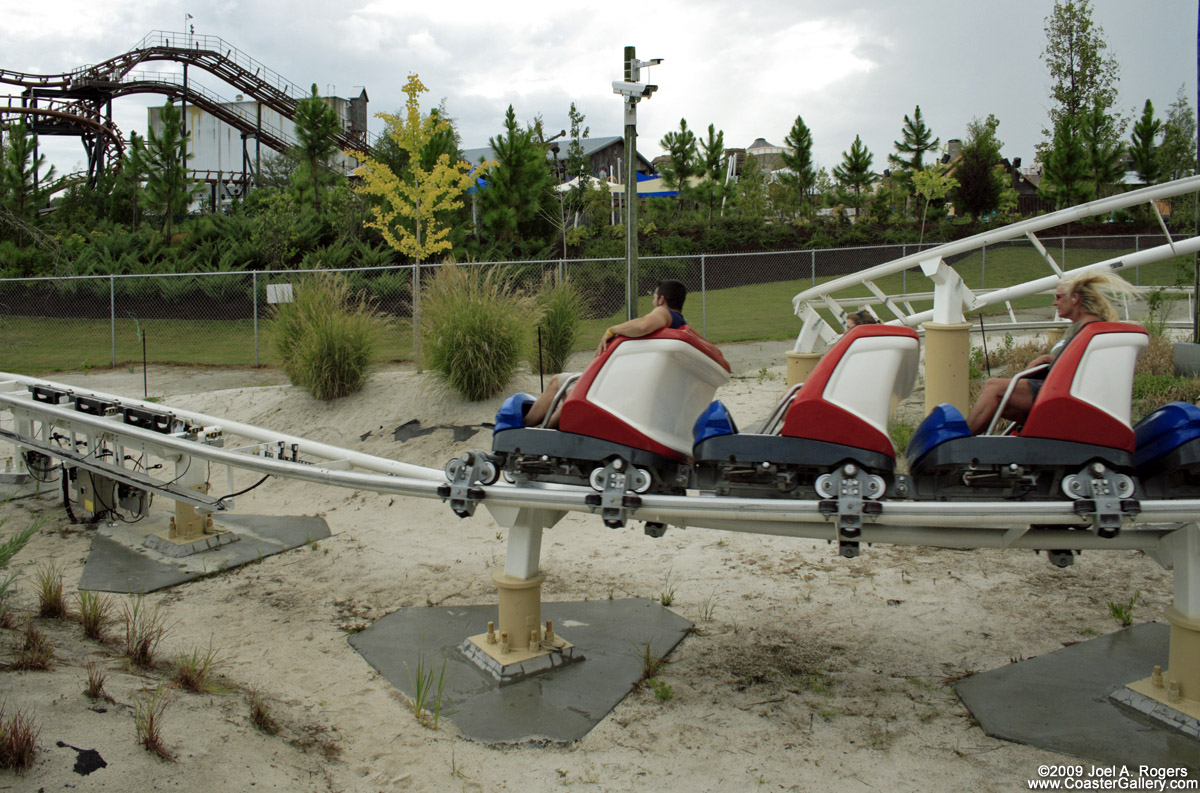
(673, 292)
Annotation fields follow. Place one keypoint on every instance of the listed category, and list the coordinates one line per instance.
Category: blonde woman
(1082, 299)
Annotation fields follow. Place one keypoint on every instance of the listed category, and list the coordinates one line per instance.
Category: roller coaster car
(828, 436)
(625, 423)
(1076, 444)
(1168, 451)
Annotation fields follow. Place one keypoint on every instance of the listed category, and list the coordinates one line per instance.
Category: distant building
(219, 148)
(605, 157)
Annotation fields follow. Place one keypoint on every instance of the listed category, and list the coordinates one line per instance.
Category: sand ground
(806, 672)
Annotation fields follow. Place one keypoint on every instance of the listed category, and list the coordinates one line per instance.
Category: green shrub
(326, 336)
(561, 307)
(474, 327)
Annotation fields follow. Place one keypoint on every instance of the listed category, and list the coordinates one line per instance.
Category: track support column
(520, 584)
(1179, 685)
(947, 339)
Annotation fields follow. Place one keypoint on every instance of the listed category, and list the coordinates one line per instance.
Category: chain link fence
(49, 324)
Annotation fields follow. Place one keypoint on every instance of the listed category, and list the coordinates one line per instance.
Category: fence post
(112, 313)
(416, 314)
(703, 300)
(1062, 242)
(983, 267)
(812, 256)
(254, 287)
(904, 272)
(1137, 246)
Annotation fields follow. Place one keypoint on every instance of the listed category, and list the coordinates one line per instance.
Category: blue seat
(511, 415)
(714, 422)
(1165, 430)
(944, 423)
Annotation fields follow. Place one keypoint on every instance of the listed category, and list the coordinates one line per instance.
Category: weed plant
(326, 336)
(663, 690)
(49, 581)
(427, 692)
(561, 307)
(193, 670)
(33, 650)
(148, 712)
(474, 329)
(95, 681)
(1123, 612)
(260, 715)
(18, 740)
(145, 627)
(651, 664)
(94, 612)
(8, 549)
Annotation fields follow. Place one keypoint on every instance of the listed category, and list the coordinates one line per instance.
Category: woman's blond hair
(1098, 290)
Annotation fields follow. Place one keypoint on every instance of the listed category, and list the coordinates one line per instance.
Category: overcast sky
(850, 68)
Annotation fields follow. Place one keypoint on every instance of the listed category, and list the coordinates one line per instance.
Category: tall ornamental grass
(326, 336)
(561, 309)
(474, 328)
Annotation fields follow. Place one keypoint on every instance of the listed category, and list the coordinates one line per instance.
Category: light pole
(633, 90)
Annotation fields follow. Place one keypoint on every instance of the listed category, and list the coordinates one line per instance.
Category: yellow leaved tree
(408, 205)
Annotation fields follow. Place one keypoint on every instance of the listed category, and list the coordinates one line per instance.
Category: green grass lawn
(744, 313)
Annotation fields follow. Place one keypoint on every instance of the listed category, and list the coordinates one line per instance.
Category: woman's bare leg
(537, 411)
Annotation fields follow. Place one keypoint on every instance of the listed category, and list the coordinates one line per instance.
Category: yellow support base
(800, 366)
(520, 608)
(947, 373)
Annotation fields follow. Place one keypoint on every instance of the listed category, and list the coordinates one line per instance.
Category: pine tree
(317, 124)
(161, 157)
(1105, 151)
(917, 141)
(855, 171)
(23, 184)
(1065, 169)
(682, 157)
(1144, 151)
(1177, 153)
(797, 158)
(512, 207)
(712, 190)
(980, 175)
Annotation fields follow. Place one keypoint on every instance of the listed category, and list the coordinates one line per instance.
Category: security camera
(633, 90)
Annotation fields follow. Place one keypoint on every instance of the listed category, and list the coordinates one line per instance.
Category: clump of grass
(1123, 612)
(95, 681)
(9, 549)
(260, 715)
(49, 581)
(651, 664)
(326, 336)
(193, 670)
(667, 596)
(145, 627)
(33, 650)
(18, 740)
(148, 712)
(428, 689)
(561, 307)
(474, 329)
(94, 612)
(662, 689)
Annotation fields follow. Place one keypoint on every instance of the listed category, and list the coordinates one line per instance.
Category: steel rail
(944, 524)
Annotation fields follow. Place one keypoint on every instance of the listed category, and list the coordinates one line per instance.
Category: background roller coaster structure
(78, 103)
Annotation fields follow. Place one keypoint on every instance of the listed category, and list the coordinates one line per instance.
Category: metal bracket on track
(466, 472)
(614, 481)
(1103, 496)
(849, 493)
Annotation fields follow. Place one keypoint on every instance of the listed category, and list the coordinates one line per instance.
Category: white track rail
(108, 444)
(809, 303)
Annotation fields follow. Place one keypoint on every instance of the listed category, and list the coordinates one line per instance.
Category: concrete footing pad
(558, 705)
(120, 562)
(1061, 701)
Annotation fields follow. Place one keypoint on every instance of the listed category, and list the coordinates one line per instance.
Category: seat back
(647, 392)
(853, 389)
(1087, 395)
